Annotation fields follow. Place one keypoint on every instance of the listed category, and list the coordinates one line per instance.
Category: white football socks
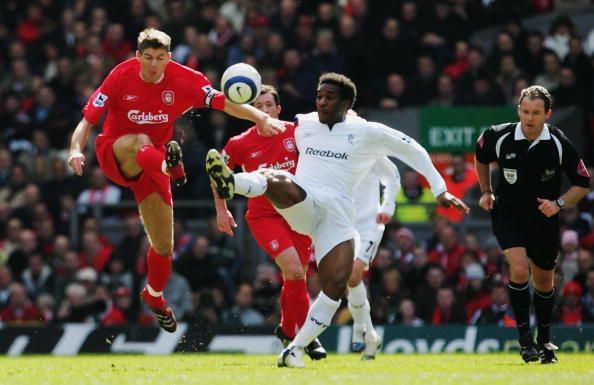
(360, 308)
(318, 319)
(250, 184)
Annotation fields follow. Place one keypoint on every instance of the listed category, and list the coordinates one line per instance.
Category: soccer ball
(241, 83)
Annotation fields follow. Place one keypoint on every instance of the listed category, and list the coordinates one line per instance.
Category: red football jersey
(136, 107)
(252, 151)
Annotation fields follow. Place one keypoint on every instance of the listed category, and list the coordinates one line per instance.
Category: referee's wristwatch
(560, 202)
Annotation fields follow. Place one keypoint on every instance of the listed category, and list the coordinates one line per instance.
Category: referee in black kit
(524, 208)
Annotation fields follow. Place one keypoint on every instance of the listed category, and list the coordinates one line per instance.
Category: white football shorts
(327, 216)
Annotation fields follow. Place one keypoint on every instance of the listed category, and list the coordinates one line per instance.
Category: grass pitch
(215, 369)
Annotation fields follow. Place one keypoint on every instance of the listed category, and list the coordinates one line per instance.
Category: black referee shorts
(531, 230)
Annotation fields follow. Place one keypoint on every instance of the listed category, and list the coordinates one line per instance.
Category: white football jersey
(367, 195)
(339, 158)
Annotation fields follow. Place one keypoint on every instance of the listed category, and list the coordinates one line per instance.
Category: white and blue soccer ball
(241, 83)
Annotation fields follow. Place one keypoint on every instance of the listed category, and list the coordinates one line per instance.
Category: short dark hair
(153, 38)
(268, 89)
(348, 89)
(537, 92)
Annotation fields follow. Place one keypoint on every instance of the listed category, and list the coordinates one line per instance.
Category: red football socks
(159, 269)
(294, 306)
(150, 159)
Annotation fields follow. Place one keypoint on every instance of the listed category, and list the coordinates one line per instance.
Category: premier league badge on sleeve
(289, 144)
(167, 97)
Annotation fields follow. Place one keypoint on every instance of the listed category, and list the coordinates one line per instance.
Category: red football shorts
(274, 235)
(143, 185)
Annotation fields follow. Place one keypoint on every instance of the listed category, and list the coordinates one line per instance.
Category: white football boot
(291, 357)
(373, 343)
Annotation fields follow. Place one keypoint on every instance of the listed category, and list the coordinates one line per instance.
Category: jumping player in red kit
(143, 97)
(289, 249)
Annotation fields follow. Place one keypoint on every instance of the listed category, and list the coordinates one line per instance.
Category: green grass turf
(211, 369)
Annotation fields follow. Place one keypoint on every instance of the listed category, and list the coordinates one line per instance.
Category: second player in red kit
(290, 250)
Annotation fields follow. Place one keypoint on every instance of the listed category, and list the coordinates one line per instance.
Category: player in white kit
(370, 220)
(336, 151)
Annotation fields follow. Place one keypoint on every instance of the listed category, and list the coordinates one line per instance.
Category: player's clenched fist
(76, 161)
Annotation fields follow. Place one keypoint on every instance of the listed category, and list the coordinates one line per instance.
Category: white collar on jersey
(157, 82)
(545, 134)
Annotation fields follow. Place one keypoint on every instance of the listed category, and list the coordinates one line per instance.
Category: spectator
(504, 46)
(242, 313)
(10, 242)
(79, 306)
(38, 276)
(476, 295)
(352, 47)
(116, 275)
(549, 77)
(426, 295)
(414, 203)
(114, 45)
(559, 35)
(266, 290)
(460, 177)
(28, 245)
(533, 54)
(100, 192)
(13, 193)
(395, 93)
(94, 253)
(498, 312)
(46, 304)
(19, 308)
(325, 57)
(508, 72)
(579, 62)
(445, 96)
(447, 310)
(571, 311)
(448, 253)
(424, 82)
(407, 316)
(66, 274)
(119, 311)
(569, 92)
(129, 246)
(385, 54)
(197, 265)
(417, 271)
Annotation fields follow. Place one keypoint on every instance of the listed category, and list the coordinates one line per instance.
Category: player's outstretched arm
(395, 143)
(390, 179)
(76, 159)
(267, 125)
(225, 220)
(448, 200)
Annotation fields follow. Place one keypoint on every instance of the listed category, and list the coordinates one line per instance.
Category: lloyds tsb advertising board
(72, 339)
(456, 129)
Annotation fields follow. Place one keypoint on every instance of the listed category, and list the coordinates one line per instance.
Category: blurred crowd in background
(55, 53)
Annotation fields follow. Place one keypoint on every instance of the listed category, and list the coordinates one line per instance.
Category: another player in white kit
(370, 220)
(336, 151)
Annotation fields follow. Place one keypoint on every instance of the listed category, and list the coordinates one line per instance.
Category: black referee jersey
(530, 170)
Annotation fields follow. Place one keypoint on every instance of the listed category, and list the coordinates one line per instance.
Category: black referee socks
(519, 296)
(543, 307)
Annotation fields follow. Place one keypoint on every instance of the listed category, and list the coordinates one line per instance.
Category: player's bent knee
(294, 273)
(519, 273)
(354, 280)
(165, 248)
